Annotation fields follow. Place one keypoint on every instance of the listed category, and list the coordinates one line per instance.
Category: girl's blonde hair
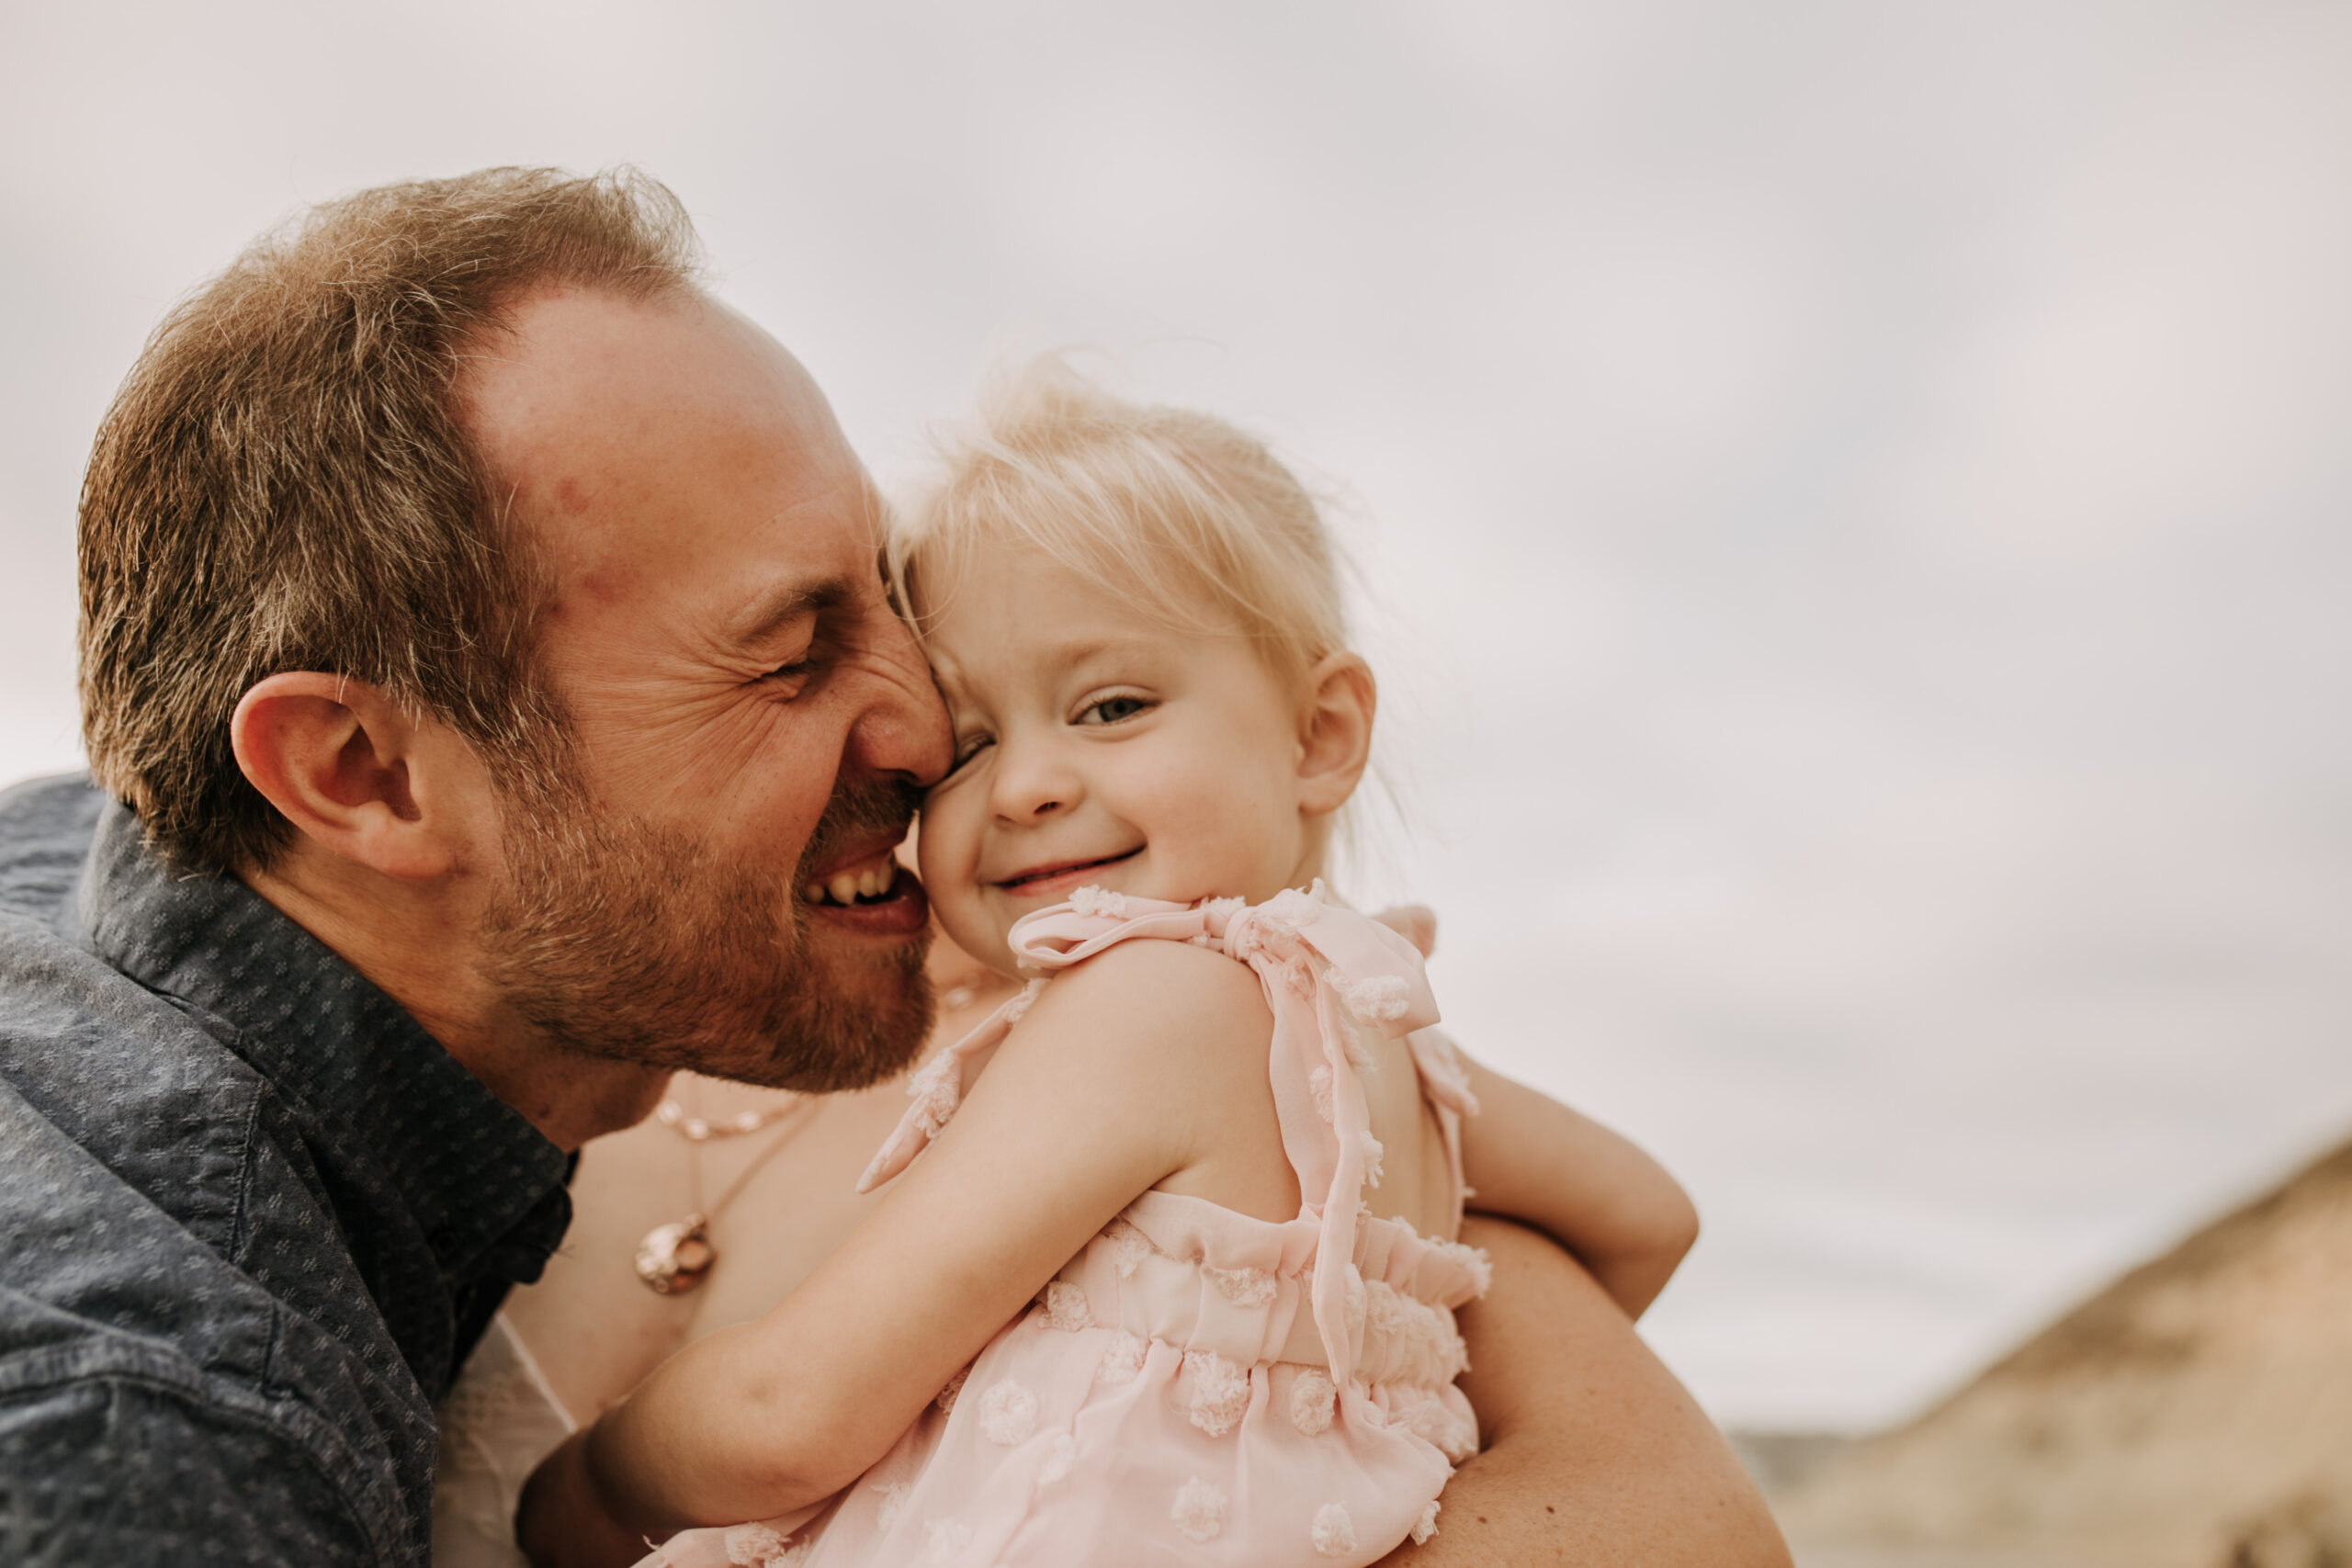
(1176, 514)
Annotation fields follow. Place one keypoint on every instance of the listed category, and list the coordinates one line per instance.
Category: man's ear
(356, 775)
(1335, 732)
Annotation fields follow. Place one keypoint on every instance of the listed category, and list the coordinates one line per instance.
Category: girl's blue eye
(1112, 710)
(965, 751)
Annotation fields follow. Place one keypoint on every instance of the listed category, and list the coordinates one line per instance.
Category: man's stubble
(623, 939)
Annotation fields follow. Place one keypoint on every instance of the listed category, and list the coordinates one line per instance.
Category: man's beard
(626, 940)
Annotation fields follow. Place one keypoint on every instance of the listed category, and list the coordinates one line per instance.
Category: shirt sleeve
(118, 1471)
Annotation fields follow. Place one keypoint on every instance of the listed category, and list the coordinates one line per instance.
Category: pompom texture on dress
(955, 1386)
(1311, 1398)
(1220, 1392)
(1384, 999)
(1199, 1510)
(1067, 1307)
(1243, 1286)
(754, 1546)
(1099, 903)
(1334, 1531)
(1123, 1362)
(1007, 1414)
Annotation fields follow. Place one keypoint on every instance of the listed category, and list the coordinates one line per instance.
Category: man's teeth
(848, 886)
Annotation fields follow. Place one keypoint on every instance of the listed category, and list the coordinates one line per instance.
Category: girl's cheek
(943, 848)
(946, 858)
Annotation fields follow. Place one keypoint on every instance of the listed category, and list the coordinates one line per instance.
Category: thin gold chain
(743, 1178)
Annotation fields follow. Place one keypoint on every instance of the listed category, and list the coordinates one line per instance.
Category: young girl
(1216, 1143)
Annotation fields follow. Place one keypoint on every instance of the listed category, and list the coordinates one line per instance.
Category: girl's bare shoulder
(1156, 991)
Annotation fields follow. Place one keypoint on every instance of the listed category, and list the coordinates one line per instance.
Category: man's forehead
(669, 446)
(586, 372)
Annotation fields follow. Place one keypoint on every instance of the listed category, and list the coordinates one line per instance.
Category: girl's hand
(562, 1521)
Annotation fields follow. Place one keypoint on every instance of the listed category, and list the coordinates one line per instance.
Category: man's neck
(417, 945)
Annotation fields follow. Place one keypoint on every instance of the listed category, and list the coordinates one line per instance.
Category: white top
(500, 1420)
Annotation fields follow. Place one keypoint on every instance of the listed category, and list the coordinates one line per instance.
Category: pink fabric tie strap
(1370, 978)
(938, 1086)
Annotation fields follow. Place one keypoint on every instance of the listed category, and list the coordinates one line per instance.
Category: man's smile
(872, 895)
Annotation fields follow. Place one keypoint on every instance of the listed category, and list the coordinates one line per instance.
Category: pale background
(1852, 496)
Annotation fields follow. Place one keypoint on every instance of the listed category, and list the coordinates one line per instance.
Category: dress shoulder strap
(1327, 970)
(1045, 943)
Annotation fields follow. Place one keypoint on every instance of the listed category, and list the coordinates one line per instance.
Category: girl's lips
(1062, 879)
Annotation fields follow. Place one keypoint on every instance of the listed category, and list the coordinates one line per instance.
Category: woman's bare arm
(1593, 1453)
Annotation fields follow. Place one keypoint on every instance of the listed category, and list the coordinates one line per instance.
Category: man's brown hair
(285, 481)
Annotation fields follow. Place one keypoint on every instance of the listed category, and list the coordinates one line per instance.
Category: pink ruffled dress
(1196, 1386)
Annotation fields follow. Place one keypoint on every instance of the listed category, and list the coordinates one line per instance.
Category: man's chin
(872, 1008)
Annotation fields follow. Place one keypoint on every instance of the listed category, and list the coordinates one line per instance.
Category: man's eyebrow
(789, 601)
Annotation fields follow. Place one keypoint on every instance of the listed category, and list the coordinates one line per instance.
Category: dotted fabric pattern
(252, 1218)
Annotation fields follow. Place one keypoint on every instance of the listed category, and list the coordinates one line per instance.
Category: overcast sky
(1852, 499)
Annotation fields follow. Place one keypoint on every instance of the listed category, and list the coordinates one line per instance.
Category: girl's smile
(1092, 750)
(1060, 877)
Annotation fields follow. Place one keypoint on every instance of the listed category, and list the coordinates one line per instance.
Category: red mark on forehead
(605, 584)
(572, 496)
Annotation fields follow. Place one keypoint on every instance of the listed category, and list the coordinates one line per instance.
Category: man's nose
(902, 728)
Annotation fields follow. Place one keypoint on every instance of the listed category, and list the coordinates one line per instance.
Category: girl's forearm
(723, 1432)
(1634, 1280)
(1533, 1159)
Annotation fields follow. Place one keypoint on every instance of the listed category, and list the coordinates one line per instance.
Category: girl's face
(1093, 747)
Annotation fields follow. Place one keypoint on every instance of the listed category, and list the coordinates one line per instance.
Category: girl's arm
(1527, 1156)
(1106, 1087)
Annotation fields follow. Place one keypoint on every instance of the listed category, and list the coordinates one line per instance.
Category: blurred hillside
(2195, 1413)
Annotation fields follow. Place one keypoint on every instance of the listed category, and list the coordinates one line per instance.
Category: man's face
(750, 723)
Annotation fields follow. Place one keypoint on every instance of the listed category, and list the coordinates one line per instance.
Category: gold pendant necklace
(674, 1260)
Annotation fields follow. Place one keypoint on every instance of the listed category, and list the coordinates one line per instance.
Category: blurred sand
(2195, 1414)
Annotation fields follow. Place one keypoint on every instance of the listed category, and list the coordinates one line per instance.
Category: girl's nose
(1029, 784)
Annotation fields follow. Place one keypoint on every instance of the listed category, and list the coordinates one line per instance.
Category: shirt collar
(485, 1188)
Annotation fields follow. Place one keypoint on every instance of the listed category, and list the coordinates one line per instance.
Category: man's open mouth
(869, 881)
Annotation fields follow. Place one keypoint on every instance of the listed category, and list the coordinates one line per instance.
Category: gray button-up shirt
(251, 1217)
